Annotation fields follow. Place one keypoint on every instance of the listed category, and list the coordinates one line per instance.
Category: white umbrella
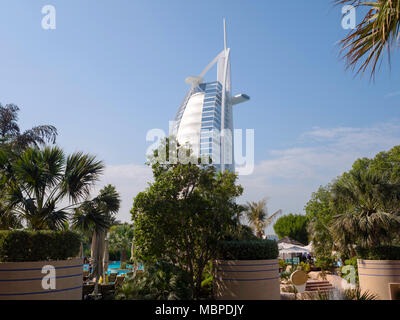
(284, 245)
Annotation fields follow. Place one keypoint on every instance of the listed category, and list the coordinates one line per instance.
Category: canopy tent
(287, 240)
(309, 247)
(287, 252)
(294, 249)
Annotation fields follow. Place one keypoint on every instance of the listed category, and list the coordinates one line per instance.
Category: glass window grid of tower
(211, 122)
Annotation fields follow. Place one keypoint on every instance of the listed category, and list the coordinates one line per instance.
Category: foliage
(182, 215)
(379, 253)
(23, 245)
(379, 30)
(208, 283)
(305, 266)
(161, 281)
(366, 206)
(360, 208)
(115, 255)
(120, 238)
(282, 264)
(98, 213)
(248, 250)
(257, 216)
(325, 261)
(319, 214)
(240, 233)
(286, 274)
(356, 294)
(96, 216)
(350, 262)
(293, 226)
(10, 132)
(35, 183)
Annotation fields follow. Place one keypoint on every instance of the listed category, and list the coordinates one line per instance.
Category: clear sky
(112, 70)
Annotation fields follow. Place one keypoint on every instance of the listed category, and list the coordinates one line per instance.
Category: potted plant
(40, 265)
(377, 268)
(247, 270)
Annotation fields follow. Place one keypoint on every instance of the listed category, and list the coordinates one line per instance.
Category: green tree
(319, 214)
(257, 216)
(366, 206)
(96, 216)
(36, 183)
(293, 226)
(120, 238)
(377, 32)
(182, 215)
(10, 131)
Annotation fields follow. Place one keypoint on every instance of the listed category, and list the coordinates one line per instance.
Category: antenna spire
(225, 40)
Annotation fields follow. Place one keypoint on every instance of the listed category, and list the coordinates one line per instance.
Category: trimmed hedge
(247, 250)
(24, 245)
(379, 253)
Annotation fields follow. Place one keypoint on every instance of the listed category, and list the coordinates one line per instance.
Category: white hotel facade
(205, 117)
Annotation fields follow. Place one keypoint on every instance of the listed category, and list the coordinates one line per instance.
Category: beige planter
(23, 280)
(247, 280)
(376, 275)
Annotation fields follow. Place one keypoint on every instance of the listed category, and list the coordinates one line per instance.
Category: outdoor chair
(112, 277)
(119, 281)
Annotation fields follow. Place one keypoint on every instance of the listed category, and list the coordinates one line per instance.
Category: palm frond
(376, 34)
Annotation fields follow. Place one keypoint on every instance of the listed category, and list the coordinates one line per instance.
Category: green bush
(23, 245)
(305, 266)
(247, 250)
(282, 264)
(161, 281)
(379, 253)
(325, 262)
(350, 262)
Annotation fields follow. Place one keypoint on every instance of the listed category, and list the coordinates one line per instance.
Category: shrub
(379, 253)
(305, 266)
(161, 281)
(350, 262)
(325, 262)
(23, 245)
(247, 250)
(282, 264)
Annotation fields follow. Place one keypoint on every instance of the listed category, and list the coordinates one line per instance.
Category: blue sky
(112, 70)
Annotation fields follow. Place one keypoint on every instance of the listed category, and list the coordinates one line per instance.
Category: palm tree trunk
(98, 254)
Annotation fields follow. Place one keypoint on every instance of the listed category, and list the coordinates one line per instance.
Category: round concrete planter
(247, 279)
(376, 275)
(23, 280)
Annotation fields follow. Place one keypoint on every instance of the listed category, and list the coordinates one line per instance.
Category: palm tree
(377, 32)
(366, 206)
(37, 182)
(120, 238)
(11, 133)
(9, 219)
(96, 216)
(257, 216)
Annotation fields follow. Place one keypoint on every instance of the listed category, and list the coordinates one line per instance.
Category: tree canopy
(183, 214)
(293, 226)
(10, 131)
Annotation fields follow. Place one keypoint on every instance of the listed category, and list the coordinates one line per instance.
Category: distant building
(205, 119)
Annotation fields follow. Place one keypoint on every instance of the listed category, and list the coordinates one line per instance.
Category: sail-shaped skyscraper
(205, 117)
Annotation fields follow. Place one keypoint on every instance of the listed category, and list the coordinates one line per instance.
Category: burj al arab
(205, 117)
